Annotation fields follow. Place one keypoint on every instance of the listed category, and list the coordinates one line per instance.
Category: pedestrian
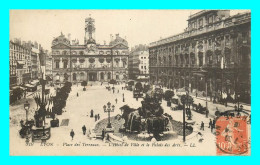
(103, 134)
(91, 113)
(123, 99)
(122, 88)
(95, 117)
(123, 95)
(116, 100)
(214, 100)
(207, 113)
(72, 134)
(213, 123)
(98, 116)
(210, 123)
(84, 129)
(211, 128)
(136, 98)
(202, 126)
(77, 94)
(118, 91)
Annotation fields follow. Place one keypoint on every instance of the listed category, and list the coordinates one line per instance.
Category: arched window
(200, 59)
(160, 60)
(109, 75)
(192, 57)
(102, 76)
(66, 76)
(65, 64)
(209, 57)
(187, 59)
(74, 77)
(81, 76)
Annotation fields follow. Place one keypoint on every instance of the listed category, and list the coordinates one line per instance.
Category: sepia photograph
(130, 82)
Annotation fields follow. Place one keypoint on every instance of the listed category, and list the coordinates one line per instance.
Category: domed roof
(118, 40)
(91, 41)
(60, 39)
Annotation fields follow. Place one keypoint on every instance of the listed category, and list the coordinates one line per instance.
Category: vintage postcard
(130, 82)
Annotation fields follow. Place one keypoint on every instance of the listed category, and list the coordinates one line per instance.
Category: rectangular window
(200, 22)
(65, 64)
(210, 19)
(57, 64)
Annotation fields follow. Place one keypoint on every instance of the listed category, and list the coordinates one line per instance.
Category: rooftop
(221, 24)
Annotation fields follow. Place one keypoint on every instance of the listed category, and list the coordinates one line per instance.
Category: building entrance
(92, 76)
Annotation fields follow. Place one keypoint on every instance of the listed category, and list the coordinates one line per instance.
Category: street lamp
(109, 109)
(27, 107)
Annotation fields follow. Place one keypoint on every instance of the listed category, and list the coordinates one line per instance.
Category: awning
(15, 87)
(23, 88)
(29, 85)
(142, 77)
(199, 74)
(21, 62)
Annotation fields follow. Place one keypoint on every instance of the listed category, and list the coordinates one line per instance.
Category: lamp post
(108, 108)
(27, 107)
(184, 100)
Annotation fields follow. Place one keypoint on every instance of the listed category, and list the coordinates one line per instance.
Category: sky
(138, 26)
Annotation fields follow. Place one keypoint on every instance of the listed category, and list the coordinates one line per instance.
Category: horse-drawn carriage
(138, 90)
(199, 108)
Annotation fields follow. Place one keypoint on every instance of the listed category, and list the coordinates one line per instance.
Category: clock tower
(90, 31)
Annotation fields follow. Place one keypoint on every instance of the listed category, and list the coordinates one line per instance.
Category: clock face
(91, 47)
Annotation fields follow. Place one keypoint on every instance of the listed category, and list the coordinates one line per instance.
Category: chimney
(69, 36)
(111, 37)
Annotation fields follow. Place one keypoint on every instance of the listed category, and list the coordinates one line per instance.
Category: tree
(146, 88)
(183, 99)
(139, 86)
(168, 95)
(84, 83)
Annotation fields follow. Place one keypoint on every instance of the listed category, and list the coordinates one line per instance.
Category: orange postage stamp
(232, 135)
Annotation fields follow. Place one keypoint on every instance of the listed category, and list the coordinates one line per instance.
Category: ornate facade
(213, 54)
(20, 64)
(139, 62)
(91, 61)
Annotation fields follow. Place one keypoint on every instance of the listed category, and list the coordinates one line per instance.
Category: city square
(173, 96)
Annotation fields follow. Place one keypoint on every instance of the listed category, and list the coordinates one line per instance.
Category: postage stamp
(232, 135)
